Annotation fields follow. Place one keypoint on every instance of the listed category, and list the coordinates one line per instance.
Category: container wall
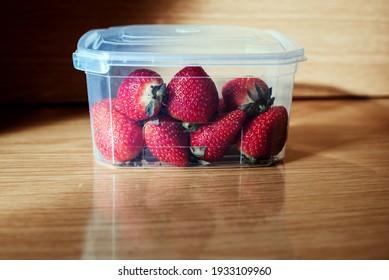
(119, 129)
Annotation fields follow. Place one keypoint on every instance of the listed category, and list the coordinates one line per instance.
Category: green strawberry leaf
(198, 152)
(150, 109)
(203, 162)
(251, 96)
(265, 100)
(246, 107)
(190, 126)
(158, 92)
(250, 160)
(154, 121)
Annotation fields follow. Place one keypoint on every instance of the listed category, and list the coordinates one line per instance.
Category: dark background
(346, 42)
(39, 37)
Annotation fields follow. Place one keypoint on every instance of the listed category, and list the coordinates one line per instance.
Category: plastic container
(188, 96)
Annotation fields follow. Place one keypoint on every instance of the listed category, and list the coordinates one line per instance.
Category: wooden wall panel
(346, 42)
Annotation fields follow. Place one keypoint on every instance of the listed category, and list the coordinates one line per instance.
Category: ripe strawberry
(101, 111)
(265, 135)
(141, 94)
(212, 140)
(192, 95)
(245, 93)
(222, 106)
(167, 140)
(118, 138)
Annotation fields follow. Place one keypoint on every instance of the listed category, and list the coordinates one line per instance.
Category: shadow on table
(312, 91)
(321, 125)
(19, 117)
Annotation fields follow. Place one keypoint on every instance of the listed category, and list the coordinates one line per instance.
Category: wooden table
(328, 200)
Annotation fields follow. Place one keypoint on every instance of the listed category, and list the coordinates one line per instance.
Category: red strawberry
(212, 140)
(222, 107)
(141, 94)
(192, 95)
(114, 133)
(101, 111)
(167, 140)
(246, 92)
(265, 135)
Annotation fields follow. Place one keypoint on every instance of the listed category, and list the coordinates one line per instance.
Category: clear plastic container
(188, 96)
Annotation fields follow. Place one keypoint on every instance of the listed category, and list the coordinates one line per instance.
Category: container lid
(169, 45)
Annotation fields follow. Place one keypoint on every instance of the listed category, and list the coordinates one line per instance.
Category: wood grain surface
(328, 200)
(346, 42)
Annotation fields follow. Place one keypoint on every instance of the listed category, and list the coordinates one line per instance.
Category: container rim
(90, 56)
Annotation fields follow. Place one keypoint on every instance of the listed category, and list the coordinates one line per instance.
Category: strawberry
(141, 94)
(101, 111)
(114, 133)
(265, 135)
(245, 93)
(211, 141)
(167, 140)
(192, 95)
(222, 106)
